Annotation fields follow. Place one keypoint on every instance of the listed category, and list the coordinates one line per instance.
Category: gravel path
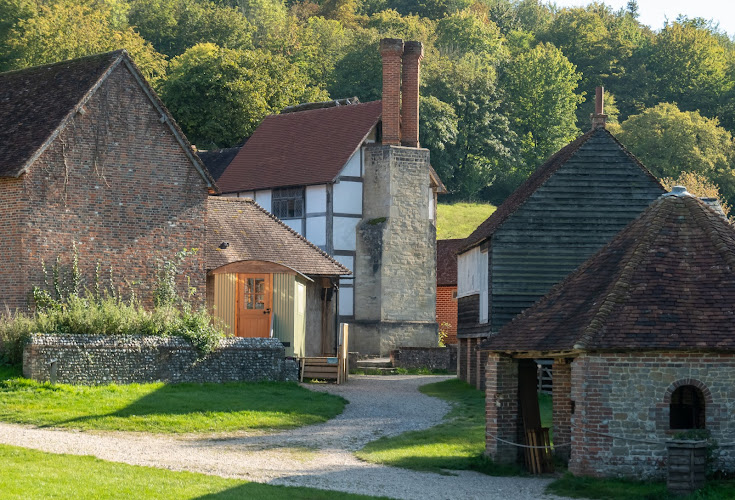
(319, 456)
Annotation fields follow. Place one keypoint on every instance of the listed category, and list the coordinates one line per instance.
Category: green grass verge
(457, 443)
(29, 474)
(180, 408)
(622, 489)
(458, 220)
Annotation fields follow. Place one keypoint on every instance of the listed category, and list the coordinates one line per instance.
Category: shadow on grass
(165, 408)
(264, 491)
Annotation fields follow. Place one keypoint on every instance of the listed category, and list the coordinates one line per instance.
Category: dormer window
(288, 203)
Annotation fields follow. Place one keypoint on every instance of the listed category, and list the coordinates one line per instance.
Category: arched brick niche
(687, 404)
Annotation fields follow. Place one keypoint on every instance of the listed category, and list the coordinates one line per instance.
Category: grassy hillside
(460, 219)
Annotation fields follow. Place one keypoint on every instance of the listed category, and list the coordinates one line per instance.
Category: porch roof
(238, 229)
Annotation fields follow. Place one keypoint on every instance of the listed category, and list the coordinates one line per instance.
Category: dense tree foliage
(505, 83)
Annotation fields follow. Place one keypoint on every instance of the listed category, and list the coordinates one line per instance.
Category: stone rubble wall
(107, 359)
(433, 358)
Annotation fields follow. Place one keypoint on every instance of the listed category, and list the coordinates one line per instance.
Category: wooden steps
(328, 367)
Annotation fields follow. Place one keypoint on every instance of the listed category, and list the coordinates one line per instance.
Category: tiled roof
(302, 148)
(446, 261)
(217, 160)
(535, 181)
(667, 281)
(254, 234)
(36, 103)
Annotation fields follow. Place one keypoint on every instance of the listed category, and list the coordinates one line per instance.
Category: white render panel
(470, 270)
(348, 197)
(295, 224)
(316, 199)
(246, 194)
(346, 299)
(352, 167)
(344, 232)
(432, 207)
(346, 260)
(316, 230)
(263, 198)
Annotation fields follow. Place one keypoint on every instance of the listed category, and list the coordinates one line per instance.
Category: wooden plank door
(254, 303)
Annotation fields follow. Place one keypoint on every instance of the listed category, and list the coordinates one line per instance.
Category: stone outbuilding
(643, 341)
(568, 209)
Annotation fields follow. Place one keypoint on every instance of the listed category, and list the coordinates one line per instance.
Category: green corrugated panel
(225, 289)
(283, 310)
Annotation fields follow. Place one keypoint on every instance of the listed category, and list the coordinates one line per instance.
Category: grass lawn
(457, 443)
(620, 489)
(460, 219)
(29, 474)
(158, 407)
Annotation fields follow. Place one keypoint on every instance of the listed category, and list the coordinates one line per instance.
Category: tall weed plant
(64, 306)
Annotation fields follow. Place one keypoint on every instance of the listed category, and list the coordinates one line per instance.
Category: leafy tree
(465, 32)
(219, 96)
(359, 71)
(319, 44)
(432, 9)
(12, 12)
(689, 66)
(389, 23)
(541, 84)
(669, 141)
(172, 26)
(66, 29)
(483, 146)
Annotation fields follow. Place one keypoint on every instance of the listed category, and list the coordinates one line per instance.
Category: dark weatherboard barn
(567, 210)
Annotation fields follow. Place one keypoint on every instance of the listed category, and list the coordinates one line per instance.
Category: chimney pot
(391, 50)
(413, 52)
(599, 118)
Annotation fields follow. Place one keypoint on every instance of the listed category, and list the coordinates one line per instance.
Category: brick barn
(89, 157)
(446, 287)
(643, 340)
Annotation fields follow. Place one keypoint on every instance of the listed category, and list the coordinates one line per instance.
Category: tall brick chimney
(391, 50)
(599, 118)
(413, 52)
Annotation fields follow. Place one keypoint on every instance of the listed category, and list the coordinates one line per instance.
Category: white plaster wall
(316, 230)
(353, 166)
(469, 269)
(316, 199)
(432, 206)
(296, 225)
(346, 301)
(246, 194)
(348, 197)
(263, 198)
(344, 232)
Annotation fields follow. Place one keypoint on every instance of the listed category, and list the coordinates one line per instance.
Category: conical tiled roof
(667, 281)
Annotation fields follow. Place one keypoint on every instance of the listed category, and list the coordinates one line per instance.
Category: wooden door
(254, 302)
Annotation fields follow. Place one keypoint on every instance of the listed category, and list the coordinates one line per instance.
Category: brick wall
(446, 311)
(115, 182)
(561, 394)
(501, 408)
(629, 395)
(13, 271)
(106, 359)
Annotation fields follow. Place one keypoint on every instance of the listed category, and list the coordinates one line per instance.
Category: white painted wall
(344, 232)
(316, 199)
(432, 206)
(472, 278)
(348, 197)
(316, 230)
(246, 194)
(346, 299)
(296, 224)
(353, 167)
(263, 198)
